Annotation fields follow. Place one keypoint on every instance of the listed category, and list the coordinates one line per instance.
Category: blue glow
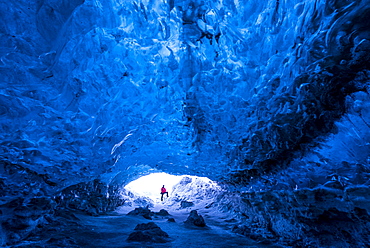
(266, 96)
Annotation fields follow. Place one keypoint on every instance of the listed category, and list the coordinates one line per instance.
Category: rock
(146, 226)
(162, 212)
(171, 220)
(140, 237)
(195, 219)
(148, 232)
(139, 211)
(186, 204)
(145, 212)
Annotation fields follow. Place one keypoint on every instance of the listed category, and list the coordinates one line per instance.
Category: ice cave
(254, 114)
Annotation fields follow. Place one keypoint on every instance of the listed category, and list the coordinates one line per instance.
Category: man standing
(163, 191)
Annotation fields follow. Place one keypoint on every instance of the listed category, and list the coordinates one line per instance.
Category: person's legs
(167, 194)
(162, 196)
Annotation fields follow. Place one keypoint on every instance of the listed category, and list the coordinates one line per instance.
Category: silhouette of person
(163, 191)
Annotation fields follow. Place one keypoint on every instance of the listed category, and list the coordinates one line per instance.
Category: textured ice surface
(259, 93)
(195, 87)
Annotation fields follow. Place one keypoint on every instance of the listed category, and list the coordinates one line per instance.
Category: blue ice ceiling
(269, 98)
(201, 87)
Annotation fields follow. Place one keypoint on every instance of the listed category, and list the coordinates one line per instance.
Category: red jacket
(163, 190)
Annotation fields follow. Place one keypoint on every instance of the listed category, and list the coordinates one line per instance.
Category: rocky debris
(94, 197)
(148, 232)
(148, 214)
(145, 212)
(186, 204)
(162, 212)
(195, 220)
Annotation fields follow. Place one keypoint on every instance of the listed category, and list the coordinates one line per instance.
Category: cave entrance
(184, 191)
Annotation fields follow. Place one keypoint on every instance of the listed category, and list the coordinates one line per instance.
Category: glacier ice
(269, 97)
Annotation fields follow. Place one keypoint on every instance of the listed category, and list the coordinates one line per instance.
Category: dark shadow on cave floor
(113, 229)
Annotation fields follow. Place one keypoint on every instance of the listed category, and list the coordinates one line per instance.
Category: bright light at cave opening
(150, 185)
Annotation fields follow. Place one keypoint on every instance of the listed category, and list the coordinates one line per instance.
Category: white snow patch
(179, 188)
(150, 185)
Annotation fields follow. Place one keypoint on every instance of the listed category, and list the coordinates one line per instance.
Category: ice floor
(113, 230)
(77, 229)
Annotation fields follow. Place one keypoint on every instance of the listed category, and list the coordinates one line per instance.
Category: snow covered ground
(200, 191)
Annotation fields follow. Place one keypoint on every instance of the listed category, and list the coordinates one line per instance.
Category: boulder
(195, 220)
(148, 232)
(145, 212)
(162, 212)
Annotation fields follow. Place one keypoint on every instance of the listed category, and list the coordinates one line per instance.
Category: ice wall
(91, 87)
(224, 89)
